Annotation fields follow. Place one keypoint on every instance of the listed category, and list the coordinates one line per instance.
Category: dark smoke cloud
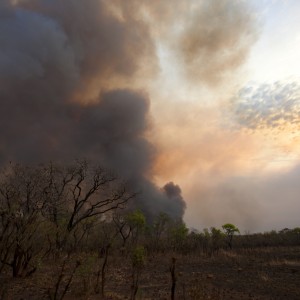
(51, 51)
(268, 106)
(105, 48)
(173, 192)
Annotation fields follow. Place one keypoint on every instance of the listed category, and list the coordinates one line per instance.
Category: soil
(264, 273)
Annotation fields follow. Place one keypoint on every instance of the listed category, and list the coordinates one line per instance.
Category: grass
(241, 274)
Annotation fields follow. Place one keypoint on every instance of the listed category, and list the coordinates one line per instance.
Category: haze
(196, 103)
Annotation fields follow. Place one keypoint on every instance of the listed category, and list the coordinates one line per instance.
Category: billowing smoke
(77, 80)
(54, 57)
(216, 39)
(173, 192)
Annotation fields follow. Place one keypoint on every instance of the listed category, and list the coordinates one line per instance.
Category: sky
(193, 102)
(234, 145)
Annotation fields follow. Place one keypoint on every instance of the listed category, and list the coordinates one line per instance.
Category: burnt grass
(260, 273)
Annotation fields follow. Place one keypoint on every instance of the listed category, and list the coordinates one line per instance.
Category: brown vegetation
(65, 234)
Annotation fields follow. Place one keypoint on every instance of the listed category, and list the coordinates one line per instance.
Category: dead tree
(123, 227)
(94, 192)
(52, 204)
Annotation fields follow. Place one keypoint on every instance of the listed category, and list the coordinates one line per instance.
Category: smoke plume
(78, 79)
(216, 40)
(54, 57)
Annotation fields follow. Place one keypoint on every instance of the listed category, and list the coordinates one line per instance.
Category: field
(261, 273)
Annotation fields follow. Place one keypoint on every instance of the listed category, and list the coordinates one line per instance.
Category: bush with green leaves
(230, 230)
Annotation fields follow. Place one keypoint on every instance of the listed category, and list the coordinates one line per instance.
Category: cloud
(268, 106)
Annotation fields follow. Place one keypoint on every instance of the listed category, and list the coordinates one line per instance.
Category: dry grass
(284, 262)
(250, 274)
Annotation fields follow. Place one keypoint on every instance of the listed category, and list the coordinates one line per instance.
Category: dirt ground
(265, 273)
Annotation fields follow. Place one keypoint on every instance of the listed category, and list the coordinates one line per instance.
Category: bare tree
(93, 192)
(52, 204)
(123, 227)
(20, 203)
(78, 193)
